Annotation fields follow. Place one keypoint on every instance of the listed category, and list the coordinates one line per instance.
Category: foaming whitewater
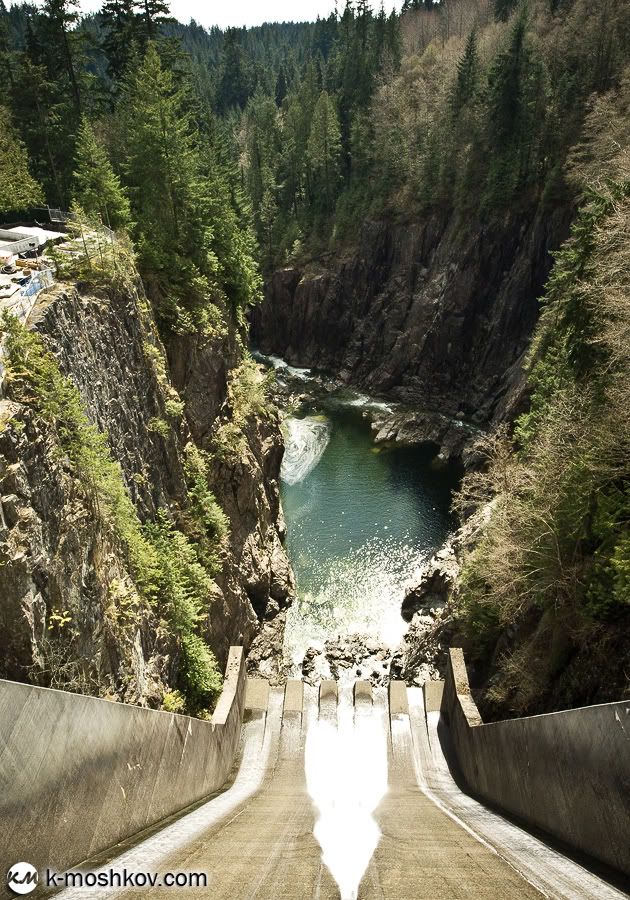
(281, 366)
(305, 442)
(360, 593)
(362, 401)
(346, 777)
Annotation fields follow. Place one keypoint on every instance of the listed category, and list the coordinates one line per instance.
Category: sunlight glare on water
(361, 523)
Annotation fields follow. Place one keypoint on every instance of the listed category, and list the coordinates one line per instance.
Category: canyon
(435, 314)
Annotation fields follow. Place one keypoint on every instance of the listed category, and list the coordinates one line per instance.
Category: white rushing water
(280, 365)
(305, 442)
(360, 593)
(362, 401)
(346, 777)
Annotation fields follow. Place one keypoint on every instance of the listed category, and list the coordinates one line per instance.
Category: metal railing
(37, 283)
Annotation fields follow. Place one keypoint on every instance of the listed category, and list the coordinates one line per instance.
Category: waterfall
(305, 442)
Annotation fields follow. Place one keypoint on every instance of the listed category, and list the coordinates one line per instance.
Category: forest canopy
(303, 129)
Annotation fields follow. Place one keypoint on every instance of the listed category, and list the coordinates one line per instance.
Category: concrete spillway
(311, 792)
(288, 825)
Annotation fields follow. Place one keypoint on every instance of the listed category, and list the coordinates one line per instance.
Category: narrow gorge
(315, 449)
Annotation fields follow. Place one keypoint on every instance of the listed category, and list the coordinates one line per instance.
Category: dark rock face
(256, 583)
(430, 607)
(109, 347)
(437, 314)
(257, 577)
(434, 587)
(199, 368)
(55, 552)
(57, 557)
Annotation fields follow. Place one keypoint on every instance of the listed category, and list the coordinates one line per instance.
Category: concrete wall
(567, 773)
(79, 774)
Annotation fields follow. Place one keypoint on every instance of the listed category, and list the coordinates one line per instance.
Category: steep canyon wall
(57, 554)
(435, 313)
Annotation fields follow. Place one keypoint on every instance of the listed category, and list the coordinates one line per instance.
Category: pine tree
(18, 189)
(97, 188)
(120, 23)
(505, 88)
(236, 81)
(45, 123)
(510, 110)
(467, 80)
(154, 13)
(60, 18)
(7, 54)
(35, 50)
(324, 153)
(503, 9)
(160, 167)
(281, 86)
(194, 249)
(393, 43)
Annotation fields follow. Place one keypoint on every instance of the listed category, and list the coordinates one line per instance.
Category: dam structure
(328, 791)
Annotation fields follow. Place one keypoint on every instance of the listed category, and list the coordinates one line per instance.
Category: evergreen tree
(503, 9)
(18, 189)
(505, 89)
(324, 154)
(35, 50)
(45, 123)
(154, 13)
(467, 81)
(513, 79)
(60, 18)
(161, 173)
(194, 250)
(291, 162)
(7, 54)
(97, 189)
(281, 86)
(120, 22)
(393, 43)
(236, 82)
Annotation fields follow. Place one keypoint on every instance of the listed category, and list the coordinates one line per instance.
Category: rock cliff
(437, 314)
(58, 558)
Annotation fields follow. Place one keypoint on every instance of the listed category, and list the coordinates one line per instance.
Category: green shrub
(159, 426)
(174, 408)
(203, 502)
(201, 677)
(184, 587)
(173, 702)
(248, 396)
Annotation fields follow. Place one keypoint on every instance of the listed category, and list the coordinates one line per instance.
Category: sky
(247, 12)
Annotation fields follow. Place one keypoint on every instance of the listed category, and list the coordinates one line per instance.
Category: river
(361, 522)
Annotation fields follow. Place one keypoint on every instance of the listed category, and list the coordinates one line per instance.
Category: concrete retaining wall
(567, 773)
(79, 774)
